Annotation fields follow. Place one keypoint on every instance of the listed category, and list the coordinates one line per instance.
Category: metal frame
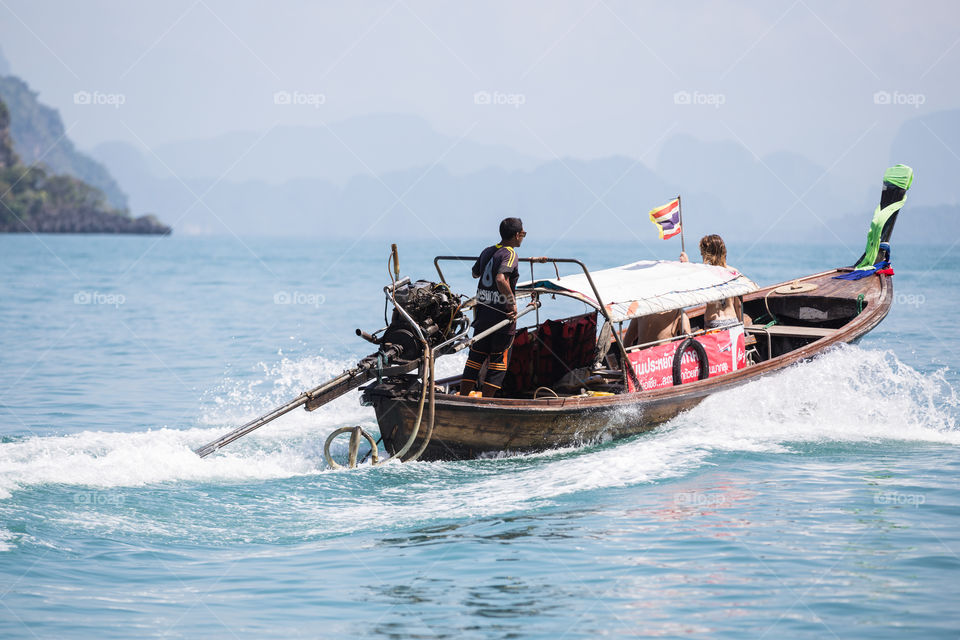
(683, 336)
(627, 370)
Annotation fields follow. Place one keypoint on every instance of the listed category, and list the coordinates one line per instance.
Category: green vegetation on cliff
(38, 135)
(35, 199)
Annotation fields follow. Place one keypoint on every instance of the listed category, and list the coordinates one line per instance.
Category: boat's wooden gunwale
(852, 330)
(477, 425)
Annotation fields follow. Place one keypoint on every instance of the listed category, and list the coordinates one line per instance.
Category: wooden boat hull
(467, 427)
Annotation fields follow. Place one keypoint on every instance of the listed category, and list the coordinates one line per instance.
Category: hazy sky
(585, 79)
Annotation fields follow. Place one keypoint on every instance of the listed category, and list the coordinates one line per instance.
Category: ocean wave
(849, 395)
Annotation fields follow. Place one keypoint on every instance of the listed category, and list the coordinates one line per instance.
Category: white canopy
(651, 286)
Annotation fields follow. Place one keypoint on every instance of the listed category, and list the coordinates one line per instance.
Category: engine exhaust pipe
(366, 336)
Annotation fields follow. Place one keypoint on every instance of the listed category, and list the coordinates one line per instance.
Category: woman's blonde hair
(713, 250)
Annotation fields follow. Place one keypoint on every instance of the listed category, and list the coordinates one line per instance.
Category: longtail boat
(573, 380)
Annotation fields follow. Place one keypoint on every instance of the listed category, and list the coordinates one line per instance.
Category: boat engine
(433, 307)
(422, 311)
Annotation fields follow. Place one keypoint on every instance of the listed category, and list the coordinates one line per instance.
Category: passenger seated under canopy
(656, 327)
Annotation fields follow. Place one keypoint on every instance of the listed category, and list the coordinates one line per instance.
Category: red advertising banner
(725, 349)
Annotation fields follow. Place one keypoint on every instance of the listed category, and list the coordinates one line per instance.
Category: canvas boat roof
(650, 286)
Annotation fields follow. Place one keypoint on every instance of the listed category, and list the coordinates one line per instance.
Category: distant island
(38, 200)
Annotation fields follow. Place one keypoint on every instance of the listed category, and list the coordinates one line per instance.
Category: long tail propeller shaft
(391, 359)
(346, 381)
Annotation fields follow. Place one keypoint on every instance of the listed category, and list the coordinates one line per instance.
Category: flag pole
(683, 248)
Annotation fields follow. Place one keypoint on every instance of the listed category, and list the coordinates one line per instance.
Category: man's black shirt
(492, 306)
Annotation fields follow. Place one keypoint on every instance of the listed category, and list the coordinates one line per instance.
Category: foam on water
(849, 395)
(114, 459)
(289, 446)
(236, 402)
(111, 459)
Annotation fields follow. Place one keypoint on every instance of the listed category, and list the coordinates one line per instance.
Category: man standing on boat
(496, 301)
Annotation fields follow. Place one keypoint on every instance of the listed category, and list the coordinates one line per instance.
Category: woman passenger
(729, 311)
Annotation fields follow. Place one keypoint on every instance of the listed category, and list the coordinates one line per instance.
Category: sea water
(818, 502)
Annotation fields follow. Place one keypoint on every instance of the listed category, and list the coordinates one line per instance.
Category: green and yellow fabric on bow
(900, 177)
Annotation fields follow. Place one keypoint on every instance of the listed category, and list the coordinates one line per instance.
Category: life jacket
(542, 357)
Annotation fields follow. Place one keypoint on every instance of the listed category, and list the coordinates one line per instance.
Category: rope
(416, 427)
(393, 281)
(766, 303)
(539, 389)
(390, 273)
(446, 332)
(429, 379)
(427, 358)
(431, 411)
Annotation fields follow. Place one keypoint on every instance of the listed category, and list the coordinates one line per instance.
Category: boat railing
(531, 261)
(558, 261)
(682, 336)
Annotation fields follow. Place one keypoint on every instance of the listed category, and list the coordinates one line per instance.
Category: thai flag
(667, 219)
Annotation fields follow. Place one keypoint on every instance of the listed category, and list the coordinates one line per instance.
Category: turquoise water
(819, 502)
